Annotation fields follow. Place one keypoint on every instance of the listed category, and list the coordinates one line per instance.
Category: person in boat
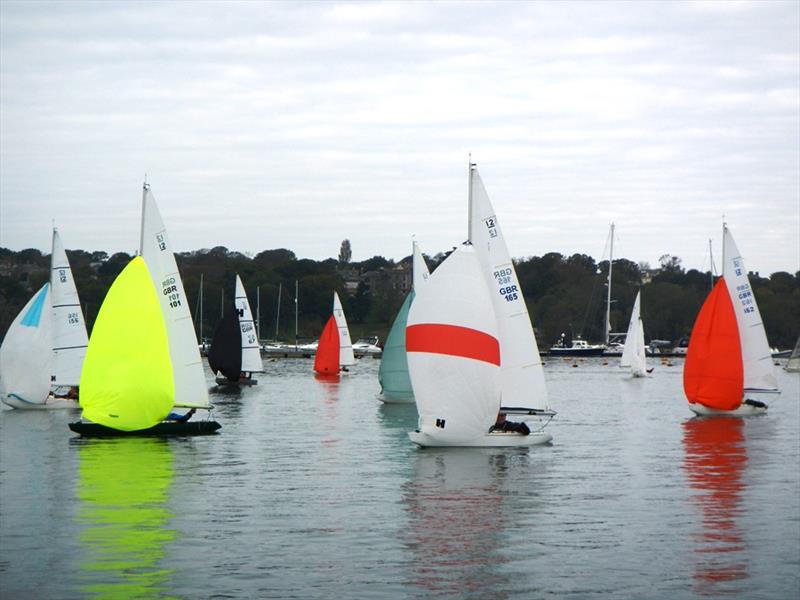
(179, 418)
(504, 425)
(72, 393)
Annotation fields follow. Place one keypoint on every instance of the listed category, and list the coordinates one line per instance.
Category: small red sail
(327, 359)
(713, 374)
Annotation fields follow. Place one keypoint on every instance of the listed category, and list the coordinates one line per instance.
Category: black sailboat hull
(164, 428)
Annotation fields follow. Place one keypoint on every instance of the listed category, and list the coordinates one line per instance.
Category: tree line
(563, 293)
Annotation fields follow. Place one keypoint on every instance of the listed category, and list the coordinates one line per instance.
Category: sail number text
(504, 278)
(491, 225)
(170, 290)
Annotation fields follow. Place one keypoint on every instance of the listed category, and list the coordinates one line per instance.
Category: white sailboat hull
(497, 439)
(15, 401)
(744, 410)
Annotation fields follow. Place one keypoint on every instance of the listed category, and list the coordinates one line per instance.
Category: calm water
(312, 490)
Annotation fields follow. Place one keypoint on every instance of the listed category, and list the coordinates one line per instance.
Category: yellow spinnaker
(126, 381)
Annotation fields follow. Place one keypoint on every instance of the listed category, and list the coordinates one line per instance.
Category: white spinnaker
(521, 367)
(462, 393)
(27, 351)
(68, 327)
(346, 356)
(419, 268)
(187, 367)
(759, 373)
(251, 352)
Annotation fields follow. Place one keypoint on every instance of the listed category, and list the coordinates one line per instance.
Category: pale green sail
(393, 373)
(126, 382)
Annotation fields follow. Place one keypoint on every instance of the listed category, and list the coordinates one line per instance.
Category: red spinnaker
(713, 374)
(327, 358)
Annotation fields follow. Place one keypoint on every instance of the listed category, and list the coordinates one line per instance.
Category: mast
(296, 307)
(608, 295)
(145, 187)
(258, 314)
(724, 228)
(469, 196)
(278, 312)
(201, 308)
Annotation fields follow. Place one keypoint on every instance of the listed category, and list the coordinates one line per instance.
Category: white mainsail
(68, 327)
(759, 374)
(522, 374)
(251, 352)
(346, 356)
(27, 352)
(187, 366)
(633, 354)
(453, 351)
(793, 364)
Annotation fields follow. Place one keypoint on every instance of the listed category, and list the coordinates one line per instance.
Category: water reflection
(456, 522)
(715, 459)
(123, 490)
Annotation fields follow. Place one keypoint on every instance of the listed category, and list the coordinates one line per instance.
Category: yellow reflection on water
(123, 489)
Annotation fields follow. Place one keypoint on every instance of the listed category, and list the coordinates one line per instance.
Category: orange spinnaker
(713, 374)
(327, 359)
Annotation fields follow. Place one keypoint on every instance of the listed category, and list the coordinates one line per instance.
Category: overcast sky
(296, 125)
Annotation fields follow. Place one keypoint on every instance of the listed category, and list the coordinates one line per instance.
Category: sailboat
(633, 354)
(42, 353)
(235, 353)
(393, 372)
(793, 364)
(728, 356)
(142, 358)
(472, 355)
(335, 350)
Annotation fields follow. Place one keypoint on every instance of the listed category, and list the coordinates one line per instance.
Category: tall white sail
(26, 353)
(346, 356)
(251, 352)
(419, 269)
(453, 351)
(187, 367)
(522, 374)
(759, 373)
(633, 354)
(793, 364)
(68, 327)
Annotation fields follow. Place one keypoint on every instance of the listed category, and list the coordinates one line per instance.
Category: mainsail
(69, 330)
(250, 349)
(522, 375)
(346, 356)
(187, 366)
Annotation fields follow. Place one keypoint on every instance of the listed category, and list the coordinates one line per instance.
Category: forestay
(69, 330)
(251, 352)
(26, 353)
(187, 366)
(453, 351)
(759, 374)
(346, 356)
(522, 375)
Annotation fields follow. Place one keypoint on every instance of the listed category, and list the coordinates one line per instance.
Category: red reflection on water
(456, 522)
(715, 458)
